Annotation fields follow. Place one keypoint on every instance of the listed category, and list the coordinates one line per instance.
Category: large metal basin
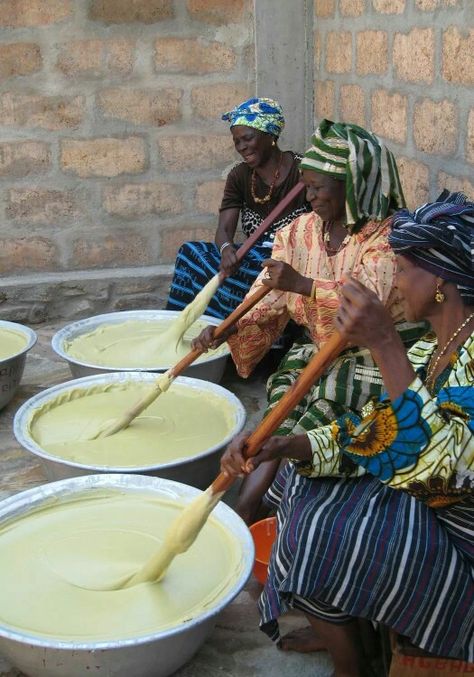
(198, 471)
(156, 655)
(211, 368)
(11, 368)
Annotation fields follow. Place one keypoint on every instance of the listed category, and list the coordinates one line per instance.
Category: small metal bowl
(155, 655)
(210, 368)
(11, 368)
(198, 471)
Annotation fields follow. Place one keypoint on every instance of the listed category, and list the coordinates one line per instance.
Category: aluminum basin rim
(86, 325)
(31, 498)
(30, 334)
(23, 414)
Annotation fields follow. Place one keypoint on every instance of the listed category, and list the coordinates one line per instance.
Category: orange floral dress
(367, 257)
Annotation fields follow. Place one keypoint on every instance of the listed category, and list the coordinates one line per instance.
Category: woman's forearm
(305, 286)
(226, 227)
(396, 371)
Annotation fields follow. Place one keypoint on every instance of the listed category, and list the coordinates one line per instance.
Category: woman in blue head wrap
(253, 188)
(395, 544)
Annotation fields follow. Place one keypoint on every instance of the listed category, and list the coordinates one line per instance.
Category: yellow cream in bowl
(135, 344)
(52, 558)
(11, 343)
(181, 423)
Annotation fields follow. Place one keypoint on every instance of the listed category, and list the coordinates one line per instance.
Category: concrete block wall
(405, 70)
(112, 150)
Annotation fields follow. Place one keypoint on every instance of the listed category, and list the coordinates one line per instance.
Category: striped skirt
(197, 262)
(356, 548)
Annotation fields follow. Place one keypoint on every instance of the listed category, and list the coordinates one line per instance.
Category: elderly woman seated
(396, 545)
(353, 187)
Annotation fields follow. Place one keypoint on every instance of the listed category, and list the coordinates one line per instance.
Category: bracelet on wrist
(313, 290)
(223, 246)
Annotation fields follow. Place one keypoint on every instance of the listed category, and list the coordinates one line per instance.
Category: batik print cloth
(263, 114)
(351, 546)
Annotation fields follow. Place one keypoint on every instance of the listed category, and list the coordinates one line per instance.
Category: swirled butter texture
(53, 559)
(182, 423)
(11, 343)
(136, 344)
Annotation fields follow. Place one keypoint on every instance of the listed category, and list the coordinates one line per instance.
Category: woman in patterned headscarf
(397, 549)
(353, 187)
(253, 188)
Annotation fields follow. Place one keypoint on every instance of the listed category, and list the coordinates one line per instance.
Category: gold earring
(274, 142)
(439, 296)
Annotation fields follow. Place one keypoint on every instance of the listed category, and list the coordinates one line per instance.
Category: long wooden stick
(184, 530)
(313, 370)
(164, 381)
(268, 220)
(221, 328)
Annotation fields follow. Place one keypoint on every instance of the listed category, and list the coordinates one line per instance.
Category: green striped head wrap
(358, 157)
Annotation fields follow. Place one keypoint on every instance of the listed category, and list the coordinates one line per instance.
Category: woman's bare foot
(303, 640)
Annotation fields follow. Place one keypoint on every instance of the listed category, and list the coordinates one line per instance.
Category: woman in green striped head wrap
(350, 155)
(353, 186)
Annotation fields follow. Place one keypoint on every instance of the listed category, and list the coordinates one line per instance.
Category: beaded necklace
(430, 372)
(327, 239)
(253, 184)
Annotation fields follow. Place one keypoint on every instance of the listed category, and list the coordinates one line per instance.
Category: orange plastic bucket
(263, 534)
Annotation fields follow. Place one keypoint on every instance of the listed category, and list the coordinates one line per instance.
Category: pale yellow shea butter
(180, 424)
(53, 560)
(11, 343)
(135, 343)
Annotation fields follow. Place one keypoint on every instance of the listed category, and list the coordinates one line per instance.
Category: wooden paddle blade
(222, 328)
(125, 420)
(313, 370)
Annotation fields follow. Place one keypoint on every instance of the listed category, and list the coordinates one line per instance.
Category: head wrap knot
(349, 152)
(439, 237)
(259, 113)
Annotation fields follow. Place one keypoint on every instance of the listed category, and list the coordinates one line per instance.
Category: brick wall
(405, 70)
(112, 151)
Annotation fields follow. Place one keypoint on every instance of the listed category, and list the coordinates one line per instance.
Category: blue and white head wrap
(439, 237)
(259, 113)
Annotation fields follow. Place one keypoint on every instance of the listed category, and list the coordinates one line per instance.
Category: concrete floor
(237, 648)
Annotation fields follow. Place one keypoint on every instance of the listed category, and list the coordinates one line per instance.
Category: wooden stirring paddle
(175, 332)
(185, 528)
(164, 381)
